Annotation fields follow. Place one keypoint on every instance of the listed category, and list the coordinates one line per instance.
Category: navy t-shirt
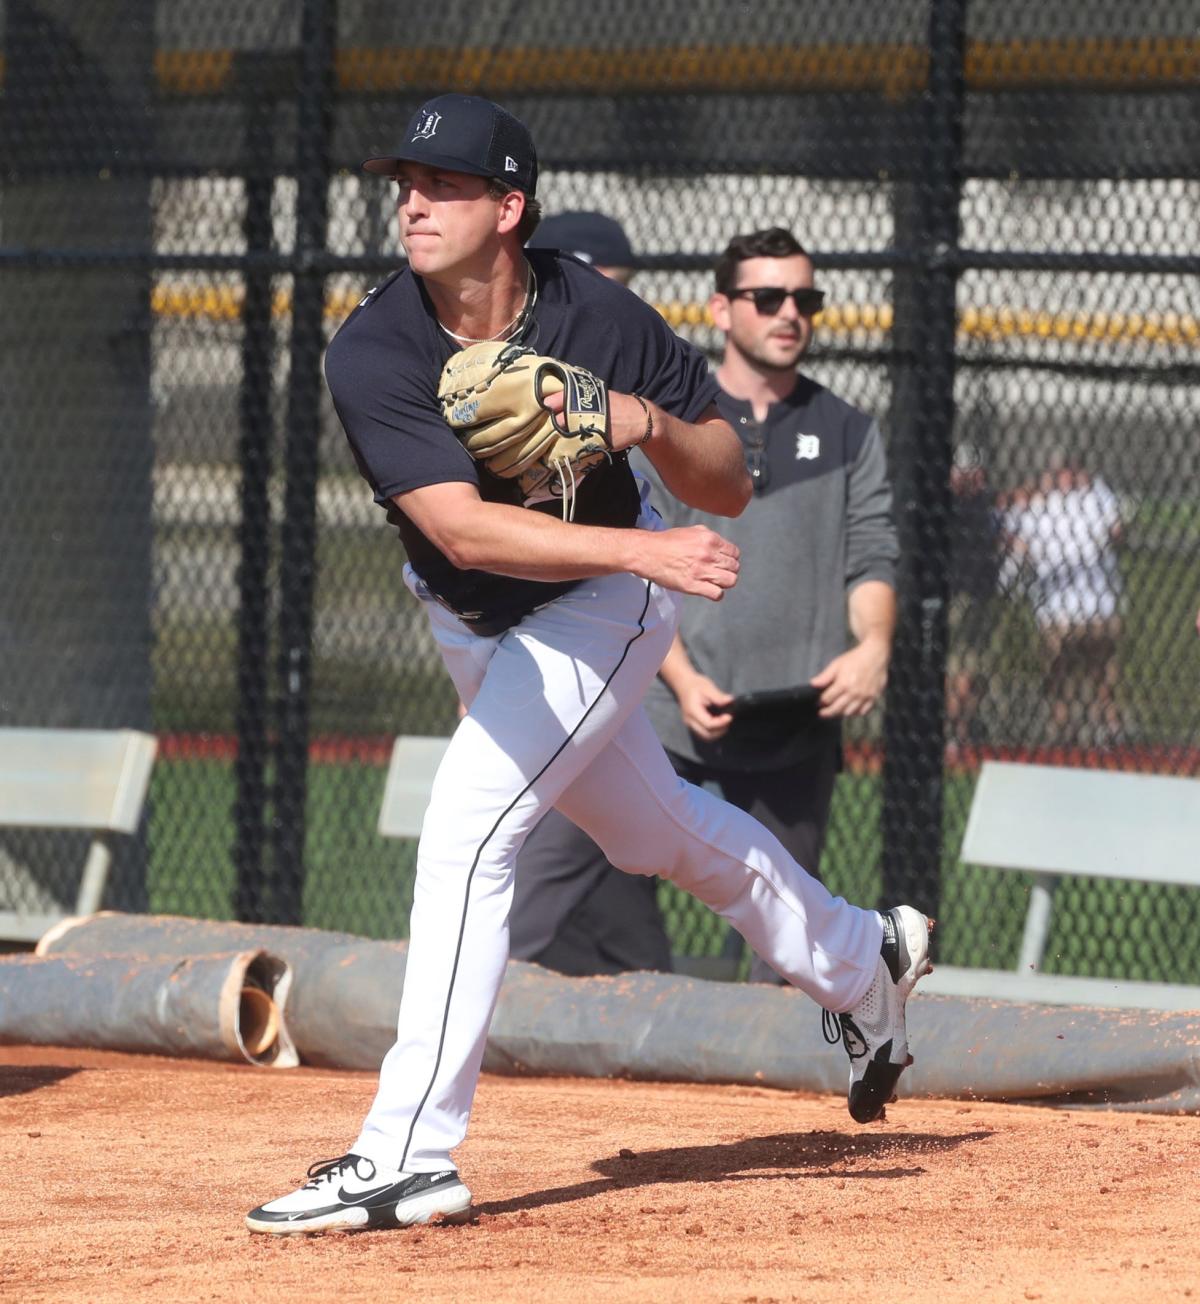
(383, 367)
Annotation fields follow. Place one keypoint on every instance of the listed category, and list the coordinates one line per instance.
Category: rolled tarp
(1127, 1059)
(221, 1006)
(659, 1026)
(346, 991)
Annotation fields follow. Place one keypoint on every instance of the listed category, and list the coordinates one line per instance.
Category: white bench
(92, 779)
(1052, 820)
(414, 762)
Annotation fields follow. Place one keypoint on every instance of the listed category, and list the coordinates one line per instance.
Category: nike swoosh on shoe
(365, 1197)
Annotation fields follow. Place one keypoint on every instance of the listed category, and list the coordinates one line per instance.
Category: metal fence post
(254, 460)
(923, 430)
(297, 578)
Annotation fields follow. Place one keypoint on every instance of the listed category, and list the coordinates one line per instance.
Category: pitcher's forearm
(701, 464)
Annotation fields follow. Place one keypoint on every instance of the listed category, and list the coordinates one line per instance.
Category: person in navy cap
(552, 631)
(593, 238)
(572, 911)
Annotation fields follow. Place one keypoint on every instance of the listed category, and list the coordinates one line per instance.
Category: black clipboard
(769, 700)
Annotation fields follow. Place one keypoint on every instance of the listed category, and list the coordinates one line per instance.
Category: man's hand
(689, 560)
(852, 683)
(700, 703)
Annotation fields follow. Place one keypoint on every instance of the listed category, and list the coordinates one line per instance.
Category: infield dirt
(127, 1178)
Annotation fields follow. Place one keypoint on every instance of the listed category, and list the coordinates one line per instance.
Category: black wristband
(649, 420)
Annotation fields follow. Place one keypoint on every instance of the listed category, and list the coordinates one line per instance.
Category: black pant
(575, 913)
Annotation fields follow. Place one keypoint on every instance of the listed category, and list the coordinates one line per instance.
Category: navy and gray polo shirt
(383, 368)
(819, 524)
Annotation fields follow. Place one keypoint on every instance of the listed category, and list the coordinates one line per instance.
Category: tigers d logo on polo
(428, 124)
(808, 447)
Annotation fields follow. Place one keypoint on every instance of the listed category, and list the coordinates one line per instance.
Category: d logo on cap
(428, 124)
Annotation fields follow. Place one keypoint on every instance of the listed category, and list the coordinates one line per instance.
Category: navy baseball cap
(592, 237)
(465, 133)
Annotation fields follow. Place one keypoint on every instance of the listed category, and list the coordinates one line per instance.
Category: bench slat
(1057, 989)
(415, 760)
(1052, 819)
(74, 778)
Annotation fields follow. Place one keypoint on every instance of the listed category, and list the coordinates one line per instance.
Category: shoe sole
(448, 1205)
(876, 1089)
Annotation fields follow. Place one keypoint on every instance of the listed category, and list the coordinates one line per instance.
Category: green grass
(1160, 519)
(362, 883)
(374, 674)
(355, 880)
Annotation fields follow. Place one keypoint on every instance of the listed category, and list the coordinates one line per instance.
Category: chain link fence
(1000, 199)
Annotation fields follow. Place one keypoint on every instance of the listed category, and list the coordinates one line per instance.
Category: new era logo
(510, 164)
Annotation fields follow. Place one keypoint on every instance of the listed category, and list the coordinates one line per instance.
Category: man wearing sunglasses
(819, 553)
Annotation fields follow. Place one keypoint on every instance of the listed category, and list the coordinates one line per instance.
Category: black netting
(1000, 199)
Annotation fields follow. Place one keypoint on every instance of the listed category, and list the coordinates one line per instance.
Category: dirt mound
(128, 1177)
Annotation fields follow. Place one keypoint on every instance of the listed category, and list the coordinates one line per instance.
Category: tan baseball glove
(491, 396)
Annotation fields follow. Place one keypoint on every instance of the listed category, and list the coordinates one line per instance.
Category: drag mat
(127, 1178)
(217, 1006)
(346, 994)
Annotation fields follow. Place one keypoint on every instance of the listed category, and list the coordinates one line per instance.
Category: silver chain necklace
(513, 326)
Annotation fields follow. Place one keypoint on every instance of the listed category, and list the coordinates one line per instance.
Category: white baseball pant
(555, 719)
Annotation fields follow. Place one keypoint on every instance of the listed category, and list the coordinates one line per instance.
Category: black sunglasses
(755, 447)
(768, 299)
